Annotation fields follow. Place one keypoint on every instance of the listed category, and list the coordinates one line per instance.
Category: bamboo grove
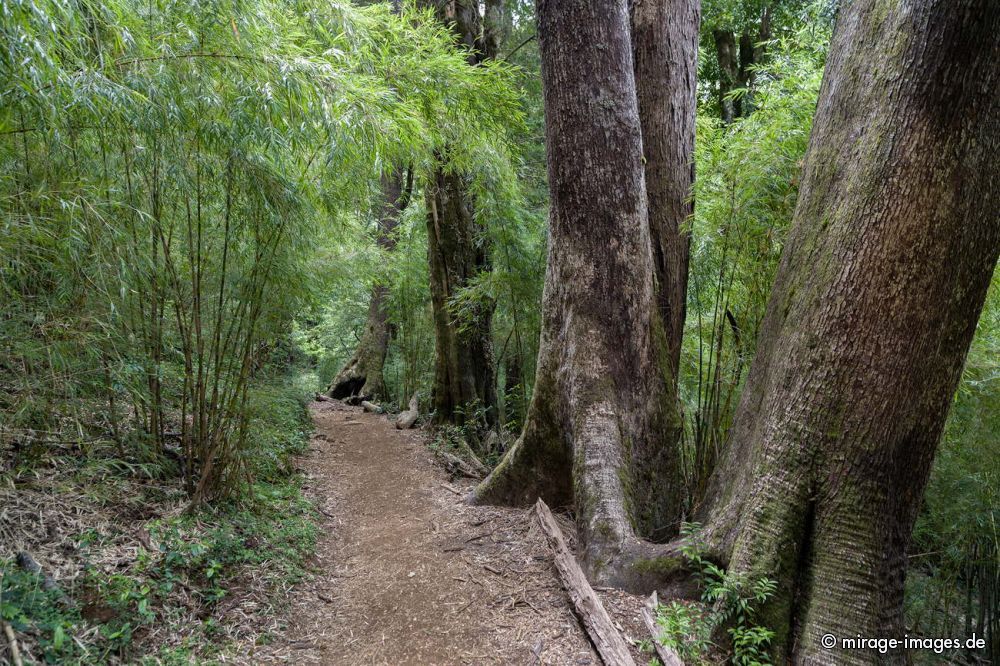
(169, 170)
(199, 197)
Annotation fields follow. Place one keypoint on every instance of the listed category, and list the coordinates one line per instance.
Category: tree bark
(882, 279)
(464, 378)
(665, 52)
(601, 411)
(464, 375)
(736, 60)
(728, 59)
(362, 376)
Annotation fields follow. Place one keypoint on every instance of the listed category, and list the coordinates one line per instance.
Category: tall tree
(665, 53)
(736, 58)
(464, 372)
(601, 417)
(892, 247)
(362, 375)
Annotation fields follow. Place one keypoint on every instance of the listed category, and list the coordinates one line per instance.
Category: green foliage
(746, 188)
(173, 177)
(954, 577)
(185, 565)
(27, 606)
(729, 601)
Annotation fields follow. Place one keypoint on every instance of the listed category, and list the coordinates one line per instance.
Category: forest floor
(406, 572)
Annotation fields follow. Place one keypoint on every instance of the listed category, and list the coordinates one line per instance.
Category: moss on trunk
(361, 377)
(881, 282)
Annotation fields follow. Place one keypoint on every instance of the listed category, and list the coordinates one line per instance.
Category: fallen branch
(406, 419)
(609, 643)
(15, 652)
(456, 465)
(371, 407)
(667, 656)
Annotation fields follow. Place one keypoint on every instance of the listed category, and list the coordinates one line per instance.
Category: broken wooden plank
(667, 656)
(605, 637)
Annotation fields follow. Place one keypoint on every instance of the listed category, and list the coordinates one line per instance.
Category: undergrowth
(141, 581)
(729, 602)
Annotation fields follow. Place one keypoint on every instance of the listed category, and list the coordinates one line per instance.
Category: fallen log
(667, 656)
(371, 407)
(406, 419)
(455, 465)
(595, 619)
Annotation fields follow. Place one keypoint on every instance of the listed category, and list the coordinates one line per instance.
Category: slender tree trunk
(882, 279)
(601, 410)
(464, 374)
(362, 376)
(665, 61)
(514, 401)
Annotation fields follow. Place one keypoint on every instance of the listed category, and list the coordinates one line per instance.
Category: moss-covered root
(640, 566)
(529, 470)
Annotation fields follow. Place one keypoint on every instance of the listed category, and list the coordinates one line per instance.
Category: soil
(407, 573)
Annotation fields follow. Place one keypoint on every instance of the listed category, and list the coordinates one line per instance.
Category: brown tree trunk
(464, 378)
(665, 52)
(601, 409)
(361, 378)
(882, 279)
(728, 59)
(464, 375)
(736, 60)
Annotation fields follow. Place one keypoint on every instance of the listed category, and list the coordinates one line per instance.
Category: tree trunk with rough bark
(464, 377)
(665, 53)
(882, 279)
(601, 410)
(464, 374)
(361, 377)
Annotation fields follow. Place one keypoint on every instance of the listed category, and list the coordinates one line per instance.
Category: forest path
(407, 573)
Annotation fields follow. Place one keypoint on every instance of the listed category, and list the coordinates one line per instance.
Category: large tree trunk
(464, 378)
(601, 410)
(362, 377)
(665, 52)
(885, 270)
(464, 375)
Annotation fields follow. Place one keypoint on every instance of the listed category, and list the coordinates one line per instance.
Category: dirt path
(407, 573)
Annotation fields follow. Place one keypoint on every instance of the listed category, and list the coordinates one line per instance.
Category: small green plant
(728, 600)
(28, 606)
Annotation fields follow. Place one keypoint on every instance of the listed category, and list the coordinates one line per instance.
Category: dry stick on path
(667, 656)
(15, 652)
(608, 641)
